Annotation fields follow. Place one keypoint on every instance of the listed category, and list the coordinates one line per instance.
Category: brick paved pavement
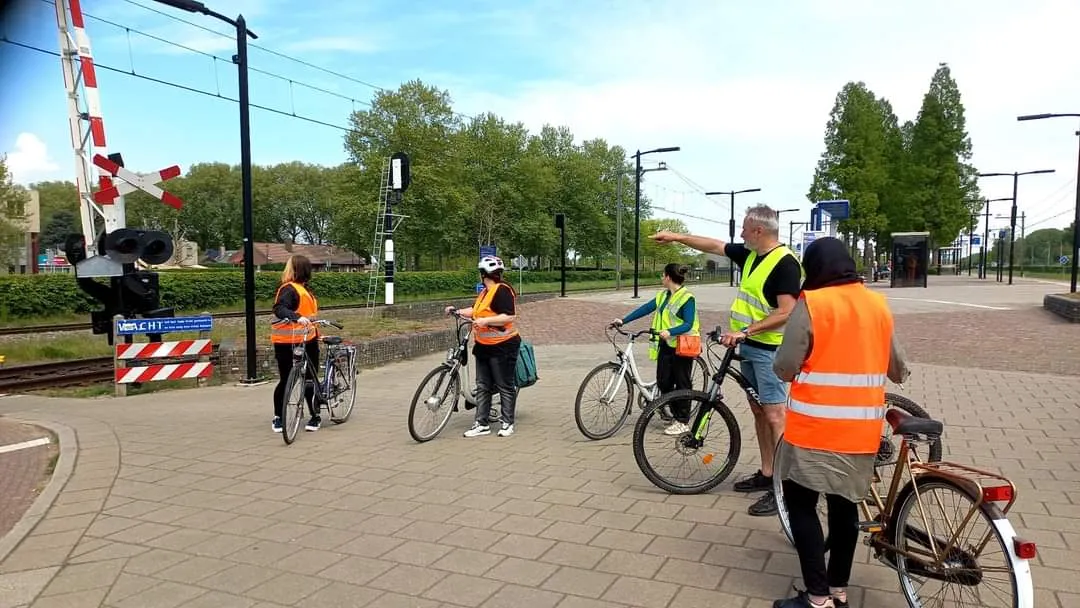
(182, 501)
(23, 472)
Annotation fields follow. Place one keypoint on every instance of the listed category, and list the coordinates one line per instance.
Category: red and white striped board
(168, 371)
(136, 181)
(89, 75)
(156, 350)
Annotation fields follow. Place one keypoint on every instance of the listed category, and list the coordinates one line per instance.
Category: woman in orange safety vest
(838, 349)
(496, 347)
(295, 302)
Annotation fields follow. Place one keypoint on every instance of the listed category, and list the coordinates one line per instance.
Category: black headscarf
(827, 263)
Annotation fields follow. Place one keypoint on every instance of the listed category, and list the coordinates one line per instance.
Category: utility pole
(731, 227)
(618, 232)
(637, 207)
(986, 243)
(1023, 217)
(1012, 216)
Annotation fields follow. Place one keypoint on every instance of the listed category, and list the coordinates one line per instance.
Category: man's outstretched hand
(665, 236)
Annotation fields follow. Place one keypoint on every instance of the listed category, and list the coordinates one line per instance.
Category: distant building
(328, 257)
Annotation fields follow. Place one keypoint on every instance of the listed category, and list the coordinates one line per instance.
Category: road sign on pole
(1064, 260)
(163, 325)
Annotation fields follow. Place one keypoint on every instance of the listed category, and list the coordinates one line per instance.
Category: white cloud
(29, 161)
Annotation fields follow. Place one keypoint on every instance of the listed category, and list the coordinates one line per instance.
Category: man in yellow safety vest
(771, 280)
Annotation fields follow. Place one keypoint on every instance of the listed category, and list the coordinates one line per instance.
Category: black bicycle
(692, 446)
(336, 391)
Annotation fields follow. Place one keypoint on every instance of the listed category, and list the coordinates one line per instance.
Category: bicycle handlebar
(313, 322)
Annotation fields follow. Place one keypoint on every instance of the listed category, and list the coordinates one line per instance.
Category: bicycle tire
(891, 400)
(454, 389)
(706, 374)
(351, 377)
(642, 426)
(289, 431)
(1020, 570)
(580, 393)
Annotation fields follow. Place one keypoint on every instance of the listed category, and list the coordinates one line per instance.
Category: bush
(192, 291)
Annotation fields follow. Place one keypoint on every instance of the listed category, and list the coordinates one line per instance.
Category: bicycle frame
(457, 360)
(715, 388)
(624, 358)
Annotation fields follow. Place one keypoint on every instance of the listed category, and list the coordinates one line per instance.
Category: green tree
(13, 200)
(54, 231)
(859, 144)
(941, 182)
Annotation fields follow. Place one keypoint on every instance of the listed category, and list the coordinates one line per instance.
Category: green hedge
(47, 295)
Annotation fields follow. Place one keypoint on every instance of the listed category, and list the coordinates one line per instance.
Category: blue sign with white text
(164, 325)
(976, 240)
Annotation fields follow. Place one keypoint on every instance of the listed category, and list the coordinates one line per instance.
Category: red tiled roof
(278, 253)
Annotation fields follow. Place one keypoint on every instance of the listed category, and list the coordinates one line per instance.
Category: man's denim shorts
(757, 367)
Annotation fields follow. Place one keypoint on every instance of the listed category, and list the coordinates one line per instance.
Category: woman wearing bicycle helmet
(295, 303)
(496, 347)
(675, 314)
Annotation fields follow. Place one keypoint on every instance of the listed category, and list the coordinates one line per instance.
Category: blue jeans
(756, 366)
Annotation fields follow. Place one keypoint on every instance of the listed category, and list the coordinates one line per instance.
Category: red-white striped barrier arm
(157, 350)
(89, 75)
(170, 371)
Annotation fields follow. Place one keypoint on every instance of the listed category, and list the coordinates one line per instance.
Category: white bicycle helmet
(490, 263)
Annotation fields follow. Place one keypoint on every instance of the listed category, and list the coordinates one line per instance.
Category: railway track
(21, 378)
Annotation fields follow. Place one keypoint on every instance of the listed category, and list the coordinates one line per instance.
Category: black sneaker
(801, 600)
(313, 424)
(838, 604)
(766, 505)
(754, 483)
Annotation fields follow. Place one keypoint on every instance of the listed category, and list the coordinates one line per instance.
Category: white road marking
(33, 443)
(952, 303)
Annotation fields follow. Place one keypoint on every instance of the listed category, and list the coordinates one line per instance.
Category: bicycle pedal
(871, 527)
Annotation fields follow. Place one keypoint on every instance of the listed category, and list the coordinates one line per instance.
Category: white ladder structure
(381, 264)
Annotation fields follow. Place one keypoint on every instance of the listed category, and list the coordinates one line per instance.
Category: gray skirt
(847, 475)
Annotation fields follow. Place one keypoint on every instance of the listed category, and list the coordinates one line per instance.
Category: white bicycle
(437, 396)
(613, 376)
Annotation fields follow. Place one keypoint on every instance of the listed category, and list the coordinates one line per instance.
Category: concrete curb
(65, 465)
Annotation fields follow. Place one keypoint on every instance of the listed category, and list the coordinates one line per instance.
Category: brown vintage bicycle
(972, 557)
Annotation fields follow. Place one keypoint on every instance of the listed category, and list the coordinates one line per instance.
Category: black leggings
(283, 355)
(810, 540)
(673, 373)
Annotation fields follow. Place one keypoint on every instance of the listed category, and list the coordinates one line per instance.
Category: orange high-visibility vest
(295, 333)
(482, 308)
(837, 402)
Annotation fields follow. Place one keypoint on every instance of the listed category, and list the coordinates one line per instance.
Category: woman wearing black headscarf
(831, 453)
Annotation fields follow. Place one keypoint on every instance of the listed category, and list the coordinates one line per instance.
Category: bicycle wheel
(684, 449)
(884, 465)
(970, 563)
(613, 409)
(434, 404)
(292, 410)
(345, 375)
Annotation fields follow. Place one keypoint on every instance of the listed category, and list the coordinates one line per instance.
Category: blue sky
(744, 88)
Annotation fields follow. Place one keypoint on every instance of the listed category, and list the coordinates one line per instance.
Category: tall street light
(1076, 213)
(637, 206)
(240, 59)
(984, 255)
(731, 227)
(1012, 221)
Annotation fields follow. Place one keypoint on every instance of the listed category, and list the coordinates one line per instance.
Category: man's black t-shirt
(786, 277)
(502, 303)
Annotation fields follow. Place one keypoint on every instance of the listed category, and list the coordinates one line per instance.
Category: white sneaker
(506, 430)
(677, 428)
(477, 430)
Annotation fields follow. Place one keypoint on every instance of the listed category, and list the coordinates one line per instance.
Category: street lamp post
(985, 254)
(1012, 215)
(637, 206)
(240, 59)
(1076, 212)
(731, 227)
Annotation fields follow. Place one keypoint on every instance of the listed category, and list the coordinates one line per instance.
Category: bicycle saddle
(904, 423)
(332, 340)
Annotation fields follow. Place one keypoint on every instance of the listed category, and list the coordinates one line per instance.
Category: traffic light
(131, 293)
